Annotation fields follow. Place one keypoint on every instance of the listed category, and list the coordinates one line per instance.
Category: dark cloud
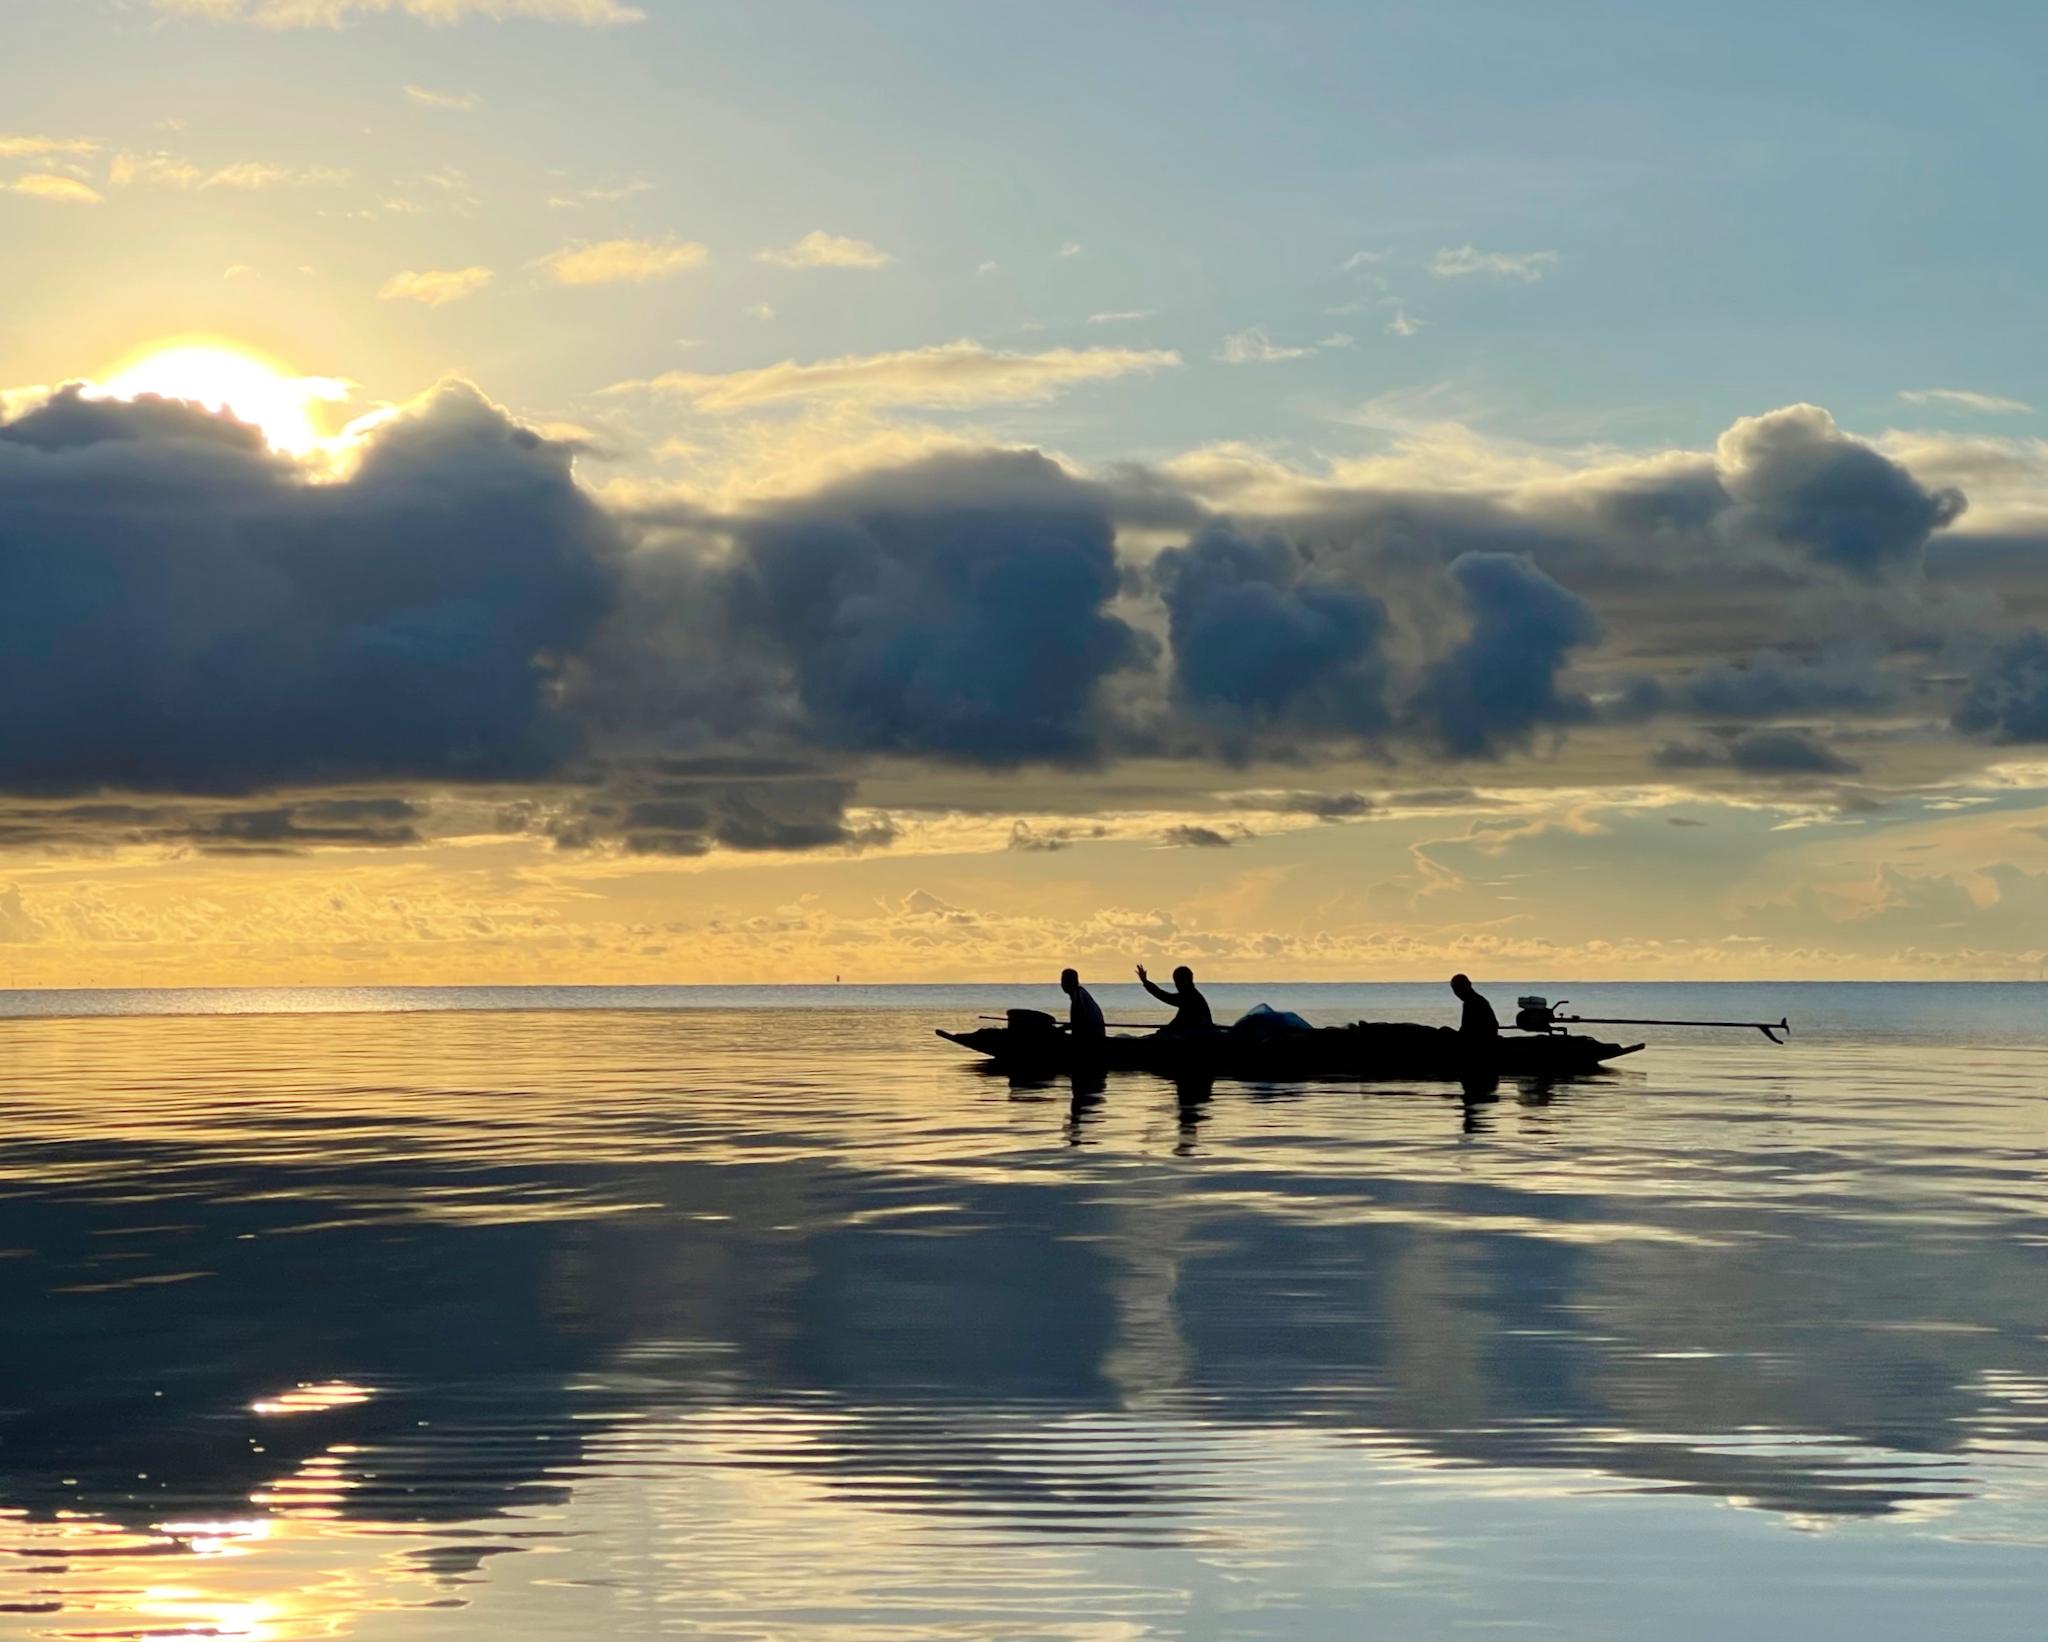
(1261, 640)
(1767, 686)
(185, 612)
(187, 615)
(1797, 478)
(1758, 752)
(692, 817)
(286, 828)
(1196, 838)
(2007, 697)
(1324, 806)
(1050, 840)
(1499, 686)
(954, 608)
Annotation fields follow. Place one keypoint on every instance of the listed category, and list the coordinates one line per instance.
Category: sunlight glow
(224, 377)
(313, 1399)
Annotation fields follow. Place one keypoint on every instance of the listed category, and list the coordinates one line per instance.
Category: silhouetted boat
(1032, 1044)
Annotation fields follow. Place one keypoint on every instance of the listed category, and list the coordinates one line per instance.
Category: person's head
(1070, 980)
(1461, 984)
(1183, 976)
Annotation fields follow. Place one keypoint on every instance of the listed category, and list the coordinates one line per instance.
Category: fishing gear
(1540, 1015)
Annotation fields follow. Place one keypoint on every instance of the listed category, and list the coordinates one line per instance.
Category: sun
(224, 377)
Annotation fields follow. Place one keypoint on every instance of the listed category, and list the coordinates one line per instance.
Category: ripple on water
(633, 1322)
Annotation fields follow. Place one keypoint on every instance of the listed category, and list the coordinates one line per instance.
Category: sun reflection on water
(530, 1326)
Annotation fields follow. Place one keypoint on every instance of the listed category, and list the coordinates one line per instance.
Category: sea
(755, 1312)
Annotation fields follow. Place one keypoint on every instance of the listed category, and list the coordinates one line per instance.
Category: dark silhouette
(1084, 1108)
(1191, 1097)
(1191, 1009)
(1084, 1014)
(1480, 1027)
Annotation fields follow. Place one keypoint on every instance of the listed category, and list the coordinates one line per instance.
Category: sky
(569, 490)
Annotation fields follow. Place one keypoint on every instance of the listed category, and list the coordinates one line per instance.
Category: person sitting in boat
(1084, 1014)
(1479, 1025)
(1191, 1009)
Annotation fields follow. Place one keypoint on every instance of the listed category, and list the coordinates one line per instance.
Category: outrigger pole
(1534, 1015)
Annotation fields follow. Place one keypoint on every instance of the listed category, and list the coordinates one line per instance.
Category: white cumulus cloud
(1964, 399)
(1465, 261)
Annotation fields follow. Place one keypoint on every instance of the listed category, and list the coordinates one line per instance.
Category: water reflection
(317, 1320)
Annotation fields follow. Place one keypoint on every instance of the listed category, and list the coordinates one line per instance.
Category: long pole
(1770, 1029)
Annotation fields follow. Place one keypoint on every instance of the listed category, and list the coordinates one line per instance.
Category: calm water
(715, 1312)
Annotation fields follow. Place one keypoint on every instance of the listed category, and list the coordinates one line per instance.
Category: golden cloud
(44, 185)
(434, 286)
(818, 249)
(624, 261)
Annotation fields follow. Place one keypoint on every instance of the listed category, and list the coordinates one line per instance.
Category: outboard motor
(1537, 1014)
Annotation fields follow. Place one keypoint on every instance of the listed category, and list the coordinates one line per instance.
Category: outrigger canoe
(1366, 1050)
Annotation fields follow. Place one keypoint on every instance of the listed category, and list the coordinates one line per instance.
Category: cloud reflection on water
(455, 1286)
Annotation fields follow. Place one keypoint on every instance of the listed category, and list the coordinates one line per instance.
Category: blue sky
(1747, 209)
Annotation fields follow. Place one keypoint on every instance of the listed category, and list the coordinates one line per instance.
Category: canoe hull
(1367, 1052)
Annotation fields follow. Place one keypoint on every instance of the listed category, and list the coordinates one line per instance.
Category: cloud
(1043, 840)
(291, 14)
(1795, 477)
(1072, 248)
(448, 102)
(1324, 806)
(760, 310)
(162, 170)
(1758, 752)
(601, 194)
(1405, 324)
(753, 816)
(1121, 316)
(1260, 641)
(1255, 347)
(435, 286)
(624, 261)
(1769, 685)
(1963, 399)
(188, 614)
(955, 608)
(1360, 259)
(1196, 838)
(956, 373)
(452, 606)
(2007, 696)
(19, 147)
(44, 185)
(290, 826)
(356, 823)
(1467, 261)
(819, 249)
(1500, 684)
(250, 175)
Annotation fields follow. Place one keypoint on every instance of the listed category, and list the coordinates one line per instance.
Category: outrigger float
(1268, 1047)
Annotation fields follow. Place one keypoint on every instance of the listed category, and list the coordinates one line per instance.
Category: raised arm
(1158, 992)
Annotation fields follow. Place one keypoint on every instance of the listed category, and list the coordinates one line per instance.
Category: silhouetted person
(1084, 1014)
(1190, 1008)
(1479, 1027)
